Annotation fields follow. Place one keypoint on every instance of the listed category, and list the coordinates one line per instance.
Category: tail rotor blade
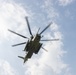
(44, 49)
(46, 28)
(28, 26)
(17, 34)
(19, 44)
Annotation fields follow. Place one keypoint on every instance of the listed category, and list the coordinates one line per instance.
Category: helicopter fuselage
(34, 44)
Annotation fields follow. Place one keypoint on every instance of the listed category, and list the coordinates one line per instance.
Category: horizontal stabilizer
(21, 57)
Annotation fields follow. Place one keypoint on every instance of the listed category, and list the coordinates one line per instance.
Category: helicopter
(33, 44)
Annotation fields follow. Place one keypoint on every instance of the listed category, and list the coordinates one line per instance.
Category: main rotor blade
(18, 44)
(50, 40)
(28, 26)
(17, 34)
(46, 28)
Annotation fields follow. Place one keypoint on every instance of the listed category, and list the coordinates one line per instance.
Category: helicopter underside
(38, 48)
(33, 44)
(33, 49)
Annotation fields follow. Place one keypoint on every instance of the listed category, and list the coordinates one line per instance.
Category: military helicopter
(33, 44)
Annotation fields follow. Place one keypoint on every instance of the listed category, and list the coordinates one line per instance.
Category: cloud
(51, 62)
(6, 69)
(48, 7)
(11, 17)
(65, 2)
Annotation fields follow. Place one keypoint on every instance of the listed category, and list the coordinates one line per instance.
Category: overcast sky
(60, 58)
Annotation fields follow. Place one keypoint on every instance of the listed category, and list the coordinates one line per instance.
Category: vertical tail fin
(25, 59)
